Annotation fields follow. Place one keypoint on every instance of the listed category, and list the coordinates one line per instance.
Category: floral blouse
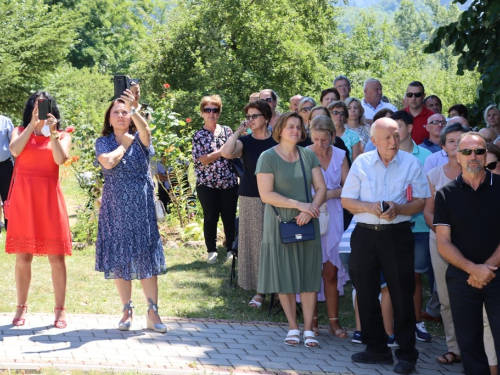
(363, 132)
(219, 174)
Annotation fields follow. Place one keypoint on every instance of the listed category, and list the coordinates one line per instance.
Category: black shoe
(373, 358)
(404, 367)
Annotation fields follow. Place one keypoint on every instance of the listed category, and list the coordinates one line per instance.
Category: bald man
(384, 189)
(489, 134)
(294, 102)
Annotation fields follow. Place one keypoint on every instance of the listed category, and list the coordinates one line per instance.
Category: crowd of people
(365, 166)
(415, 190)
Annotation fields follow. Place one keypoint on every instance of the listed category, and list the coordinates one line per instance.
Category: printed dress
(128, 242)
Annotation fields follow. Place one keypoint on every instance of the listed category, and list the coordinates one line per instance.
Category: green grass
(191, 288)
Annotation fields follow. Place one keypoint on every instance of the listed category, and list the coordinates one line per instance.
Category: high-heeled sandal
(315, 329)
(20, 321)
(125, 326)
(341, 333)
(157, 327)
(59, 323)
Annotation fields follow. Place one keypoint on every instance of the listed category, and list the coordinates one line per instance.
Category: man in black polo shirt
(466, 221)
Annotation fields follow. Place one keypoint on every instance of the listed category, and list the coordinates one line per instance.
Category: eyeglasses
(253, 117)
(338, 113)
(491, 165)
(437, 122)
(306, 109)
(468, 151)
(211, 110)
(417, 94)
(269, 100)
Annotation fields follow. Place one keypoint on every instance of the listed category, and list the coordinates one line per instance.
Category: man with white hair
(372, 102)
(294, 102)
(384, 189)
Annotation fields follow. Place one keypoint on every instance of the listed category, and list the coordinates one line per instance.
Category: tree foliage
(475, 38)
(36, 38)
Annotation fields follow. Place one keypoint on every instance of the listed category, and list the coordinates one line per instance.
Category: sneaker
(391, 342)
(212, 257)
(230, 255)
(421, 333)
(356, 337)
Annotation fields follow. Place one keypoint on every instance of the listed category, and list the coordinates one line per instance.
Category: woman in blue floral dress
(128, 242)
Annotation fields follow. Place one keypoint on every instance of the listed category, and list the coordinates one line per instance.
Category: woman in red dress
(38, 220)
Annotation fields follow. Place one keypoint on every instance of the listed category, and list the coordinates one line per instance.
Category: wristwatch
(54, 135)
(133, 111)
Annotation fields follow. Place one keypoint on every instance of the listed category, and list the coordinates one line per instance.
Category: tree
(475, 38)
(35, 39)
(412, 26)
(236, 47)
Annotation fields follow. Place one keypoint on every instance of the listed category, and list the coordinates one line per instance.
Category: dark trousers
(466, 304)
(391, 251)
(6, 170)
(215, 203)
(164, 197)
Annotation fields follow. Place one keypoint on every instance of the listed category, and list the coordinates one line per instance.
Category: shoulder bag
(290, 231)
(237, 163)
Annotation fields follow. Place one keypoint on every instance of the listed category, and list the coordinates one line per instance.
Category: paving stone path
(191, 346)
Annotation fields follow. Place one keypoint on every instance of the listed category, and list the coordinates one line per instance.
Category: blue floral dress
(128, 242)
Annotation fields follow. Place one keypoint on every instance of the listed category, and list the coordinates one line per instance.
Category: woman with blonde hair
(356, 119)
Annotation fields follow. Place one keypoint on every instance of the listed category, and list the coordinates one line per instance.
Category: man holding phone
(383, 241)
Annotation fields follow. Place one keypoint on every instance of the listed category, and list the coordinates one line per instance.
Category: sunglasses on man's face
(417, 94)
(211, 110)
(437, 122)
(468, 151)
(491, 166)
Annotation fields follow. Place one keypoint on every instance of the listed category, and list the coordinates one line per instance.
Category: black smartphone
(122, 83)
(44, 108)
(384, 206)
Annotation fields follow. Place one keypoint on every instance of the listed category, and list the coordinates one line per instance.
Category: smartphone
(384, 206)
(44, 108)
(122, 83)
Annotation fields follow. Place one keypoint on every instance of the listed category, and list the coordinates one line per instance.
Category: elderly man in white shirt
(372, 102)
(6, 167)
(383, 190)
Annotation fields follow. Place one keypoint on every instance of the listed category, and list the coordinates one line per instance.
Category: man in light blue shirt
(6, 166)
(384, 189)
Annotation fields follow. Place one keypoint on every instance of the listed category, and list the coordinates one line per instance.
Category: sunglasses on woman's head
(468, 151)
(491, 166)
(211, 110)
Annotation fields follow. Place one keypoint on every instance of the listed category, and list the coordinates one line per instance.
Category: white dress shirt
(370, 110)
(370, 181)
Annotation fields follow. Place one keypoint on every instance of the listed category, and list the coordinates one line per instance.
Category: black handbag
(237, 163)
(290, 231)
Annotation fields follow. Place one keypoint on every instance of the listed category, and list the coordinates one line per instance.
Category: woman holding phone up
(38, 220)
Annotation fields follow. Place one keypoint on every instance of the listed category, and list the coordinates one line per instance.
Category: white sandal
(294, 336)
(257, 301)
(309, 338)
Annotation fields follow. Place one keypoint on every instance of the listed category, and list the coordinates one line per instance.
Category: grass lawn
(191, 288)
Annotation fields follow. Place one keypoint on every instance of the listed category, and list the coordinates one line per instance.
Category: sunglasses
(306, 109)
(417, 94)
(269, 100)
(468, 151)
(338, 113)
(491, 165)
(437, 122)
(253, 117)
(211, 110)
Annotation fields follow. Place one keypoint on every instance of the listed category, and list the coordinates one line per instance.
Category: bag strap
(305, 183)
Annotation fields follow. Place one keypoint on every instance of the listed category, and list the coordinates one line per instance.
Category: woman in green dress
(292, 268)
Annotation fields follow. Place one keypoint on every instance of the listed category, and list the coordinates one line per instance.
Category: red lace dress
(38, 220)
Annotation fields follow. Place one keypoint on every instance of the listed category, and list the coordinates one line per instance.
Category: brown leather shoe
(429, 317)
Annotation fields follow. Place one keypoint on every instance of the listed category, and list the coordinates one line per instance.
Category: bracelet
(54, 135)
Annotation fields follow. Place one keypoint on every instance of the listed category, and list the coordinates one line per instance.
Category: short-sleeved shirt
(370, 110)
(350, 138)
(432, 147)
(435, 160)
(420, 225)
(220, 173)
(472, 216)
(419, 132)
(252, 148)
(370, 181)
(6, 129)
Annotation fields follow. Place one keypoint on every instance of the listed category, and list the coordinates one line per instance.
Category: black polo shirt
(473, 216)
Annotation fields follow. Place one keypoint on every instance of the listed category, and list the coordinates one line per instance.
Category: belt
(9, 160)
(379, 227)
